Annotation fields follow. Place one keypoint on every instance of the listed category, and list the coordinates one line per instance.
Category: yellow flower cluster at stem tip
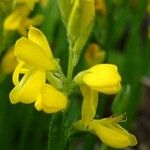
(103, 78)
(35, 59)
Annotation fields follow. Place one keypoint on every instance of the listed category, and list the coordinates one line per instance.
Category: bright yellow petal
(51, 100)
(29, 87)
(16, 73)
(38, 37)
(32, 54)
(89, 105)
(14, 94)
(102, 77)
(109, 90)
(112, 135)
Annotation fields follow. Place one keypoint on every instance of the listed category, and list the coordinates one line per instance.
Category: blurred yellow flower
(111, 133)
(94, 54)
(50, 100)
(9, 62)
(18, 20)
(100, 6)
(103, 78)
(29, 3)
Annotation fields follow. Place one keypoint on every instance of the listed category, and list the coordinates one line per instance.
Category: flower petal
(29, 87)
(109, 90)
(38, 37)
(103, 77)
(112, 134)
(32, 54)
(51, 100)
(89, 105)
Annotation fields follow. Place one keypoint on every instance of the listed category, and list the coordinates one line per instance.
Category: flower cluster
(35, 59)
(43, 83)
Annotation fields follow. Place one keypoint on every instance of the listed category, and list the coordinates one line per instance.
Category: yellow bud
(81, 19)
(103, 78)
(51, 100)
(111, 133)
(65, 9)
(27, 90)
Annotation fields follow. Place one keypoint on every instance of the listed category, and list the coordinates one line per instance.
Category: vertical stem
(58, 132)
(68, 83)
(70, 64)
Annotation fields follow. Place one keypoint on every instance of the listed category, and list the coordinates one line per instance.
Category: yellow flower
(94, 54)
(50, 100)
(34, 51)
(18, 20)
(27, 90)
(35, 59)
(111, 133)
(103, 78)
(100, 5)
(9, 61)
(99, 78)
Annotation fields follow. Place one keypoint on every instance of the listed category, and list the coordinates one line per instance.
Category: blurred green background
(122, 30)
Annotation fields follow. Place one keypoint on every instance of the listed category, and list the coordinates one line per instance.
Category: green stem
(70, 64)
(50, 129)
(68, 84)
(58, 139)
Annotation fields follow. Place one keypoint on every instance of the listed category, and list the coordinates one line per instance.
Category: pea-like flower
(103, 78)
(35, 60)
(111, 133)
